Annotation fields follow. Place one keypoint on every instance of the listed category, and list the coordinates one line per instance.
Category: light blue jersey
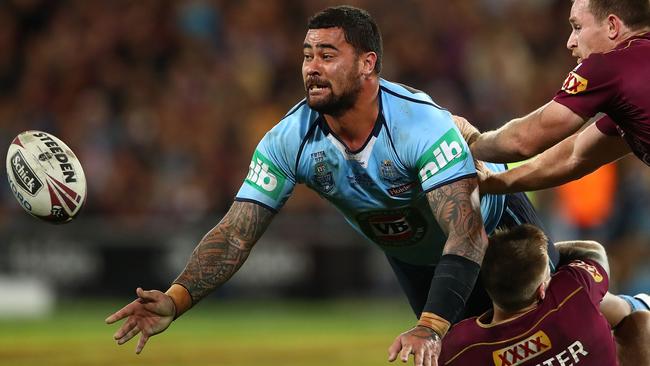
(414, 148)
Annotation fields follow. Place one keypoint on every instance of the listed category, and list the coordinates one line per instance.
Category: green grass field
(225, 334)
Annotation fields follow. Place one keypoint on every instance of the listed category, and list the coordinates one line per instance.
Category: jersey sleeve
(438, 152)
(271, 173)
(588, 88)
(607, 126)
(591, 276)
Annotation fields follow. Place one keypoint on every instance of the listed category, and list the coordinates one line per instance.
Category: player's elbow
(525, 147)
(578, 167)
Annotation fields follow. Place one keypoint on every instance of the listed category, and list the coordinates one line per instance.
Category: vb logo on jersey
(574, 83)
(442, 155)
(393, 228)
(264, 176)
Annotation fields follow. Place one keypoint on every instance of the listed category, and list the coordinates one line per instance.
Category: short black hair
(359, 28)
(634, 13)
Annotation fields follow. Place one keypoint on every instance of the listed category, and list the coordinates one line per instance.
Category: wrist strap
(435, 323)
(180, 297)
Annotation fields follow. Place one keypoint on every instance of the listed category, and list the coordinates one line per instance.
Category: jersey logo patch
(388, 171)
(442, 155)
(593, 271)
(393, 228)
(264, 176)
(520, 352)
(574, 83)
(323, 177)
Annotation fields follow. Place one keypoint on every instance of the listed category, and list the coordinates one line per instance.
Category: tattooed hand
(422, 342)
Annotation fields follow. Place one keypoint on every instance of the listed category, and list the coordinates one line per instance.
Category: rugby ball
(46, 177)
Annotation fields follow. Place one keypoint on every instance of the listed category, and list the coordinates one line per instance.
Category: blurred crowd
(164, 101)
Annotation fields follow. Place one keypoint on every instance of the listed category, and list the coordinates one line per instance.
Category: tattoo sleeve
(457, 208)
(223, 250)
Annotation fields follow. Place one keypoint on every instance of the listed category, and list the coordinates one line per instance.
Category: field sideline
(333, 333)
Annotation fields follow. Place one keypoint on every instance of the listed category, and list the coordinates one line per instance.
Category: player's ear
(369, 59)
(614, 25)
(540, 293)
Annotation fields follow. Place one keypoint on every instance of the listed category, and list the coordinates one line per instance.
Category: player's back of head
(515, 264)
(634, 13)
(359, 28)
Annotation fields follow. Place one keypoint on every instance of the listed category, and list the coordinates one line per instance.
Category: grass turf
(225, 334)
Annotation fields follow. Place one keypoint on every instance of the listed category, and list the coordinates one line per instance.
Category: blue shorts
(416, 280)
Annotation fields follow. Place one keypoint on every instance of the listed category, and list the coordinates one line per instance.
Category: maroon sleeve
(587, 88)
(607, 126)
(591, 276)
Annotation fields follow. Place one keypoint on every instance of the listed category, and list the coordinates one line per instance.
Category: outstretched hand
(151, 313)
(422, 342)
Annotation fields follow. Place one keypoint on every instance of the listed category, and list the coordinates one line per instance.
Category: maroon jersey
(566, 328)
(615, 83)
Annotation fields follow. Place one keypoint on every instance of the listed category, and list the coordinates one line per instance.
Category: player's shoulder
(294, 126)
(577, 274)
(461, 337)
(406, 94)
(592, 269)
(406, 107)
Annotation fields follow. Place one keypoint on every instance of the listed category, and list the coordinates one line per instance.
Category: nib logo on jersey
(442, 155)
(23, 174)
(264, 176)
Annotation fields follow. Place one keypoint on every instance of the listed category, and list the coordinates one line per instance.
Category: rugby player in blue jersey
(393, 163)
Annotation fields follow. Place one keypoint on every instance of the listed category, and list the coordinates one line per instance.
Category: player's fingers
(145, 295)
(406, 351)
(394, 349)
(418, 357)
(132, 333)
(124, 329)
(119, 315)
(143, 340)
(427, 357)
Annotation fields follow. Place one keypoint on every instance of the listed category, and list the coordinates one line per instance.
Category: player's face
(330, 71)
(588, 34)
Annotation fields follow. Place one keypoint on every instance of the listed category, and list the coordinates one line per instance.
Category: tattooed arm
(456, 207)
(220, 253)
(223, 250)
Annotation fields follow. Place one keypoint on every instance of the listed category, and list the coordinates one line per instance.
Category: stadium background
(164, 102)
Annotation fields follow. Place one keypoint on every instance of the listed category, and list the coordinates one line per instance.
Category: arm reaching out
(571, 159)
(527, 136)
(220, 253)
(456, 207)
(223, 250)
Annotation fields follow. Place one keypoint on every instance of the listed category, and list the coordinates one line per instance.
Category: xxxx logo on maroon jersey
(522, 351)
(574, 83)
